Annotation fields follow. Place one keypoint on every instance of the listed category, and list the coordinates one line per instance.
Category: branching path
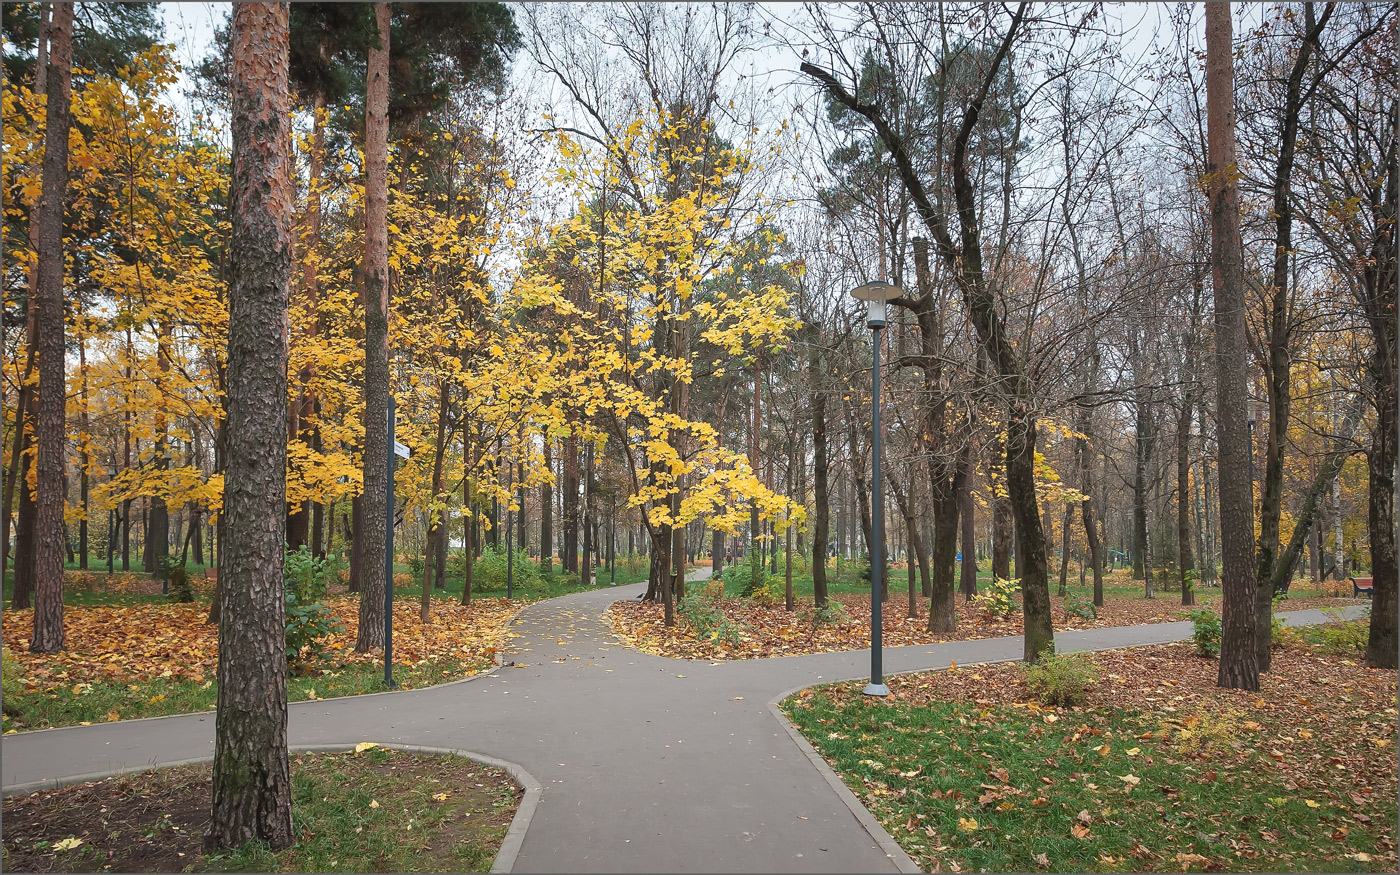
(647, 763)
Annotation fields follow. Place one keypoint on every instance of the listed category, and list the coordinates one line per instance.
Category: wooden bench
(1360, 585)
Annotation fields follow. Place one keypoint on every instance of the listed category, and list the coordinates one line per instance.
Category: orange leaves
(129, 643)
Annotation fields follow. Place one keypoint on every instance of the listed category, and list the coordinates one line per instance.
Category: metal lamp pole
(389, 553)
(877, 295)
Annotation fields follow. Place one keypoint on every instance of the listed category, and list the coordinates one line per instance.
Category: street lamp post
(876, 295)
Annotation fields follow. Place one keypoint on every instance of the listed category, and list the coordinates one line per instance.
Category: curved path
(647, 763)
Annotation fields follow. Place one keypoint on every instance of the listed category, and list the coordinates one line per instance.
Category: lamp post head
(877, 295)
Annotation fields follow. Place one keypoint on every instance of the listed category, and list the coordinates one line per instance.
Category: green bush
(1062, 680)
(308, 620)
(833, 613)
(1206, 633)
(415, 567)
(769, 593)
(997, 598)
(700, 608)
(489, 571)
(1341, 636)
(1084, 609)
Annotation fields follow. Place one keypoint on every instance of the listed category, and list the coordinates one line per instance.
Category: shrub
(708, 622)
(489, 570)
(769, 593)
(1206, 632)
(833, 613)
(308, 620)
(1084, 609)
(996, 599)
(1061, 679)
(415, 567)
(180, 589)
(1341, 636)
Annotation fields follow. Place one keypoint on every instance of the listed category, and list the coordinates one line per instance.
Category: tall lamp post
(877, 296)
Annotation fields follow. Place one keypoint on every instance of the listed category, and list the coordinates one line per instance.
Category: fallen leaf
(364, 746)
(1079, 831)
(967, 824)
(67, 844)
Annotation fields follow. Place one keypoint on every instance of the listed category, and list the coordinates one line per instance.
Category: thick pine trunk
(50, 430)
(252, 785)
(374, 501)
(1239, 663)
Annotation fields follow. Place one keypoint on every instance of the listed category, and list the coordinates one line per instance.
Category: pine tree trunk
(50, 427)
(1239, 663)
(252, 785)
(374, 501)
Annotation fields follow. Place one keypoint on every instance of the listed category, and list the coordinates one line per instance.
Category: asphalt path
(647, 764)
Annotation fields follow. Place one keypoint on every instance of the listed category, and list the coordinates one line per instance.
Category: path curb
(505, 856)
(902, 861)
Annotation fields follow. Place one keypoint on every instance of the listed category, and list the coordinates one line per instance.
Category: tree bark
(821, 490)
(432, 569)
(374, 501)
(50, 428)
(1381, 278)
(969, 534)
(252, 796)
(1239, 661)
(18, 472)
(547, 512)
(1185, 564)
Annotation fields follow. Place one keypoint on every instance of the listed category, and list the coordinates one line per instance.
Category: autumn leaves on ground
(710, 626)
(1156, 769)
(145, 660)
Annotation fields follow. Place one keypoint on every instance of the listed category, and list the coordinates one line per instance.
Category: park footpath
(642, 763)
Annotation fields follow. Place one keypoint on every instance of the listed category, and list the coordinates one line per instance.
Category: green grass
(339, 831)
(930, 774)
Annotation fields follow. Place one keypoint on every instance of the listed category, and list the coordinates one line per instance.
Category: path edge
(902, 861)
(505, 856)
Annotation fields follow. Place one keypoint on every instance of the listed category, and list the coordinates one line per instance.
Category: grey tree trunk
(1239, 662)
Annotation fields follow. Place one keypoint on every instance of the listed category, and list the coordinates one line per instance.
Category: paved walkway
(648, 764)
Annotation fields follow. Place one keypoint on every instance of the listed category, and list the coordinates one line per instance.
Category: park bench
(1360, 585)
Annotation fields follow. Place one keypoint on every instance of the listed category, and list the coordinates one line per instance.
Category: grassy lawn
(1157, 771)
(379, 811)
